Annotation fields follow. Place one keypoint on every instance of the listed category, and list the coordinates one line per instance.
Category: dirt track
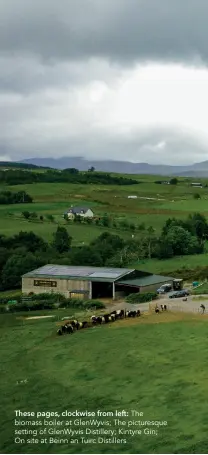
(191, 305)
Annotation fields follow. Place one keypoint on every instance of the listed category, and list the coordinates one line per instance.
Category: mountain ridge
(123, 167)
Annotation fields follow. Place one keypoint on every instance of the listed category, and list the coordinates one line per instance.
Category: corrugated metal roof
(78, 272)
(146, 280)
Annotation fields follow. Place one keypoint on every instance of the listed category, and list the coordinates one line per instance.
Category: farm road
(191, 306)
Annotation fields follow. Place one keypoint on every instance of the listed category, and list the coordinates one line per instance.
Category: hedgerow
(141, 297)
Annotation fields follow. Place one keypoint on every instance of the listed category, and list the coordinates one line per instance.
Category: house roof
(78, 273)
(145, 280)
(77, 210)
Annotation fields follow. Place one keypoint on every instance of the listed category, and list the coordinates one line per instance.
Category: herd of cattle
(72, 326)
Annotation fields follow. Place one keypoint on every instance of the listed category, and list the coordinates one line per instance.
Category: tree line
(8, 197)
(13, 165)
(19, 176)
(26, 251)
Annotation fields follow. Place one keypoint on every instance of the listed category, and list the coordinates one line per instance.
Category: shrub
(52, 297)
(93, 304)
(73, 303)
(173, 181)
(141, 297)
(31, 306)
(82, 304)
(197, 196)
(3, 309)
(7, 298)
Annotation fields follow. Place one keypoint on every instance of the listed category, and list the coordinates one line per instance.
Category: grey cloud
(26, 73)
(47, 46)
(141, 146)
(119, 30)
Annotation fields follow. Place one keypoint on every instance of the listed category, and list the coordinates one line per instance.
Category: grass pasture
(161, 371)
(79, 233)
(155, 203)
(166, 266)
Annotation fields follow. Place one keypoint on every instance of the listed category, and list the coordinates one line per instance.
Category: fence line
(179, 308)
(187, 309)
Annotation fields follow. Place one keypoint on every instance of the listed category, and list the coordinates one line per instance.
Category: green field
(166, 266)
(164, 201)
(161, 371)
(80, 233)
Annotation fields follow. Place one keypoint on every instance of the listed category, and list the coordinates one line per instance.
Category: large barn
(90, 282)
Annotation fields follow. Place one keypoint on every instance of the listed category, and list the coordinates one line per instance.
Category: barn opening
(123, 290)
(102, 289)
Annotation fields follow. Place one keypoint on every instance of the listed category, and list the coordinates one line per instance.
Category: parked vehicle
(178, 294)
(164, 288)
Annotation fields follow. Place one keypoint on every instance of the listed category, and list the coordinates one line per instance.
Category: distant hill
(21, 165)
(123, 167)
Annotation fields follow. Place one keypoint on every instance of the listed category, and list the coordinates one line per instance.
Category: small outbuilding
(197, 185)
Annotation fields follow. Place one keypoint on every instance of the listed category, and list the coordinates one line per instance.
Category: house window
(45, 283)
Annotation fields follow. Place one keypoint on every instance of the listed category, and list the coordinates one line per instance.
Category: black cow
(112, 317)
(96, 319)
(120, 314)
(107, 318)
(69, 328)
(79, 325)
(138, 312)
(74, 323)
(157, 310)
(85, 324)
(131, 314)
(165, 307)
(64, 328)
(113, 313)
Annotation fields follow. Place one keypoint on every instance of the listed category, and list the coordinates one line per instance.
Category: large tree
(181, 241)
(28, 240)
(200, 225)
(86, 255)
(15, 267)
(61, 240)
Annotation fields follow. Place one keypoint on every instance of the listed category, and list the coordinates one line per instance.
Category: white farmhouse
(84, 212)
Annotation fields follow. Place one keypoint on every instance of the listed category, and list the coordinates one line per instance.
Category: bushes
(49, 302)
(14, 296)
(93, 304)
(52, 297)
(82, 304)
(8, 197)
(30, 306)
(141, 297)
(71, 303)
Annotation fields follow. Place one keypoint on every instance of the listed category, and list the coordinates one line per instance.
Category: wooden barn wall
(63, 286)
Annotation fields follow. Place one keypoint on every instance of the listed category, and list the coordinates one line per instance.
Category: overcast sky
(104, 79)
